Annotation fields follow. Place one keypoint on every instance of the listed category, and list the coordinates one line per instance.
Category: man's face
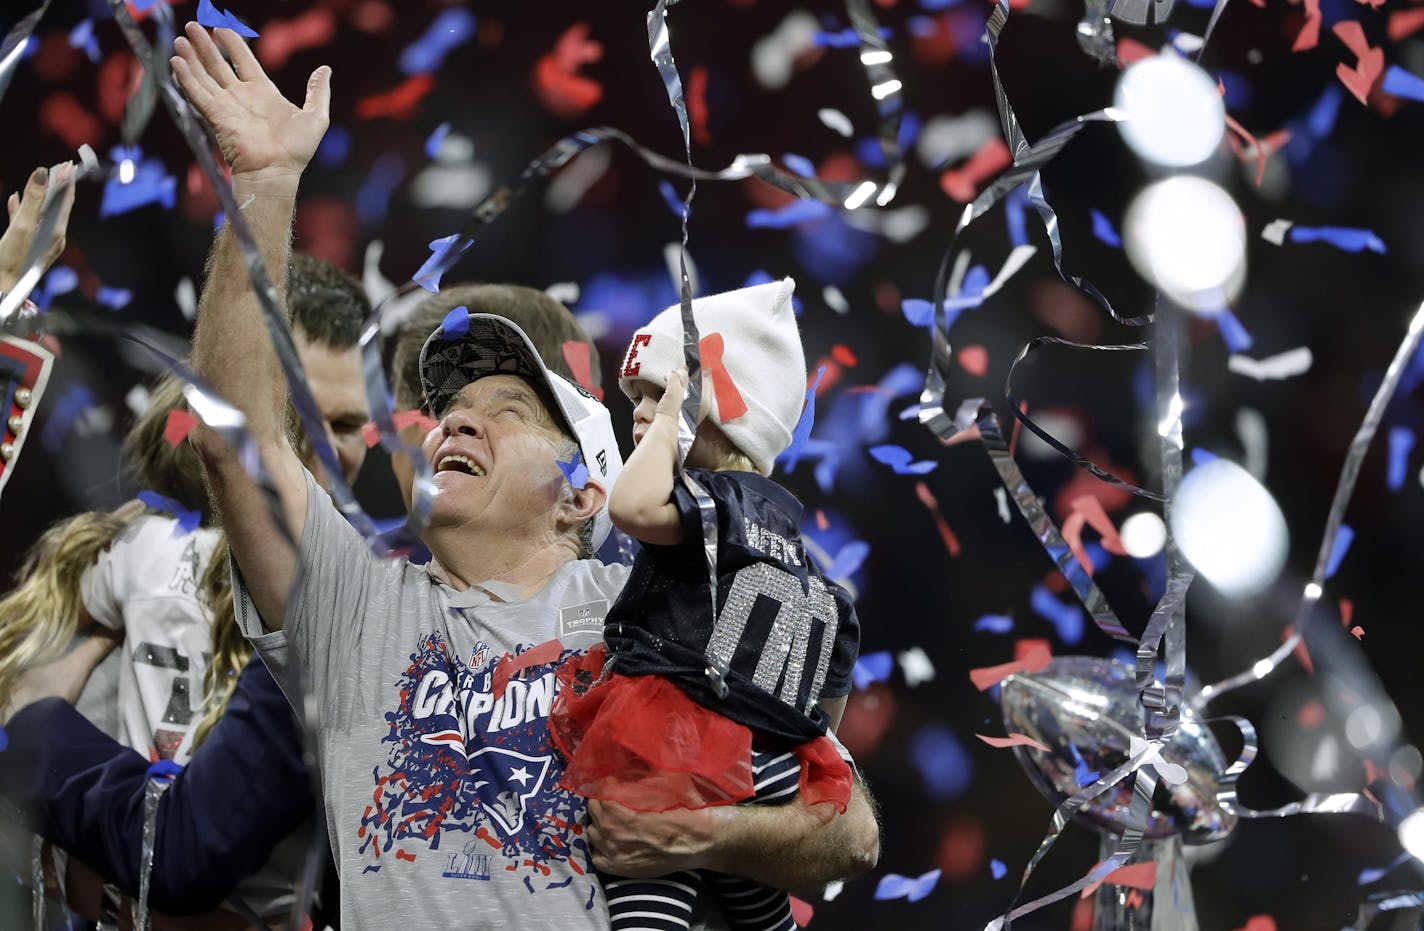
(334, 376)
(493, 456)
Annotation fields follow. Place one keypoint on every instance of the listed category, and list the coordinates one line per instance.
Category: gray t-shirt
(441, 794)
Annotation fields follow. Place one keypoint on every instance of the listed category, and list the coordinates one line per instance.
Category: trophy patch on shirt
(583, 618)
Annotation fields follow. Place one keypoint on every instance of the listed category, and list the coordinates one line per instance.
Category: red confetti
(1259, 923)
(1135, 875)
(508, 665)
(1310, 715)
(180, 423)
(951, 542)
(1036, 660)
(401, 420)
(374, 16)
(1404, 23)
(974, 360)
(399, 103)
(822, 523)
(1347, 612)
(842, 354)
(867, 717)
(1358, 632)
(559, 86)
(119, 76)
(1370, 65)
(697, 105)
(1087, 509)
(577, 357)
(1130, 51)
(961, 850)
(281, 39)
(1301, 653)
(1253, 148)
(963, 183)
(801, 912)
(1133, 899)
(63, 116)
(1309, 35)
(1013, 740)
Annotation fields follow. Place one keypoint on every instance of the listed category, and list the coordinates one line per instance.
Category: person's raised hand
(65, 677)
(24, 210)
(263, 136)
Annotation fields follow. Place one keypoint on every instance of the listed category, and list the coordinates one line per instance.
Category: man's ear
(583, 503)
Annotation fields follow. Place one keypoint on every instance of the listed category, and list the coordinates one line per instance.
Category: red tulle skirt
(641, 742)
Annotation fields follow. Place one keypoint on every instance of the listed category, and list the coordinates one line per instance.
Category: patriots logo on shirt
(462, 759)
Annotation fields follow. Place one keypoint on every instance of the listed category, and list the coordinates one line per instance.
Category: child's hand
(670, 404)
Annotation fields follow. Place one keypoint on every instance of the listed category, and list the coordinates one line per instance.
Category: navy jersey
(788, 635)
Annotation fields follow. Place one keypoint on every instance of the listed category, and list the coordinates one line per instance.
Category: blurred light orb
(1176, 116)
(1411, 833)
(1229, 528)
(1187, 237)
(1143, 535)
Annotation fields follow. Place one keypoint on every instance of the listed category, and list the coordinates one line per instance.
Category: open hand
(262, 134)
(24, 209)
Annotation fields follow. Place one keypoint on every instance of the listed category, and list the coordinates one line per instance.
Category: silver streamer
(152, 793)
(1344, 490)
(12, 50)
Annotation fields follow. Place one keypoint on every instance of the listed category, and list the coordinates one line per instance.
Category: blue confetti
(1235, 336)
(1103, 230)
(1238, 91)
(1401, 444)
(164, 770)
(113, 298)
(995, 623)
(334, 148)
(59, 280)
(444, 252)
(792, 453)
(845, 38)
(868, 151)
(1202, 456)
(912, 888)
(674, 203)
(446, 32)
(1015, 209)
(373, 198)
(4, 739)
(848, 559)
(898, 458)
(933, 5)
(151, 184)
(67, 410)
(1321, 121)
(82, 37)
(188, 521)
(213, 18)
(799, 164)
(575, 470)
(997, 868)
(832, 251)
(945, 766)
(432, 144)
(1403, 83)
(456, 323)
(875, 405)
(1343, 539)
(872, 667)
(1066, 618)
(793, 214)
(1081, 773)
(1368, 876)
(1341, 237)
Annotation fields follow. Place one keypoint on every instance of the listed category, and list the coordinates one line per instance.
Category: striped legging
(667, 902)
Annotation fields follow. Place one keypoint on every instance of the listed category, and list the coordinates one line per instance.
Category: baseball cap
(454, 356)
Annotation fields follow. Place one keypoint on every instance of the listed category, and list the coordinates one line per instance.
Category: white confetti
(833, 889)
(1002, 496)
(565, 292)
(774, 55)
(1275, 231)
(671, 254)
(835, 119)
(1286, 364)
(949, 138)
(1255, 440)
(138, 399)
(916, 666)
(187, 298)
(835, 300)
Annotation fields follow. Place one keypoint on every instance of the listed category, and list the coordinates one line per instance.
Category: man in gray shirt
(432, 685)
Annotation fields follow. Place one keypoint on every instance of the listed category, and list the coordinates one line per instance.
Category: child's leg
(661, 904)
(748, 905)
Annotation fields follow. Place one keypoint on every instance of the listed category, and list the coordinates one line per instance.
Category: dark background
(947, 801)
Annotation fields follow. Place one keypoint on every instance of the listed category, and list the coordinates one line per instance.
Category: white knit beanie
(761, 355)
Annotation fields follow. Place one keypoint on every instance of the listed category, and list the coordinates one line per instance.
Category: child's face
(646, 396)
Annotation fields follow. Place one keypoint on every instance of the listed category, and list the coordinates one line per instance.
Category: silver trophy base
(1167, 906)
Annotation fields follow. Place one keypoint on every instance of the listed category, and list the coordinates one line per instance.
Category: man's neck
(526, 569)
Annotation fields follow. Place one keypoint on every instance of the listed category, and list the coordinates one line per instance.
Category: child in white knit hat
(692, 709)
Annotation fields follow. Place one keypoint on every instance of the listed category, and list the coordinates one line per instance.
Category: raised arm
(640, 504)
(267, 142)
